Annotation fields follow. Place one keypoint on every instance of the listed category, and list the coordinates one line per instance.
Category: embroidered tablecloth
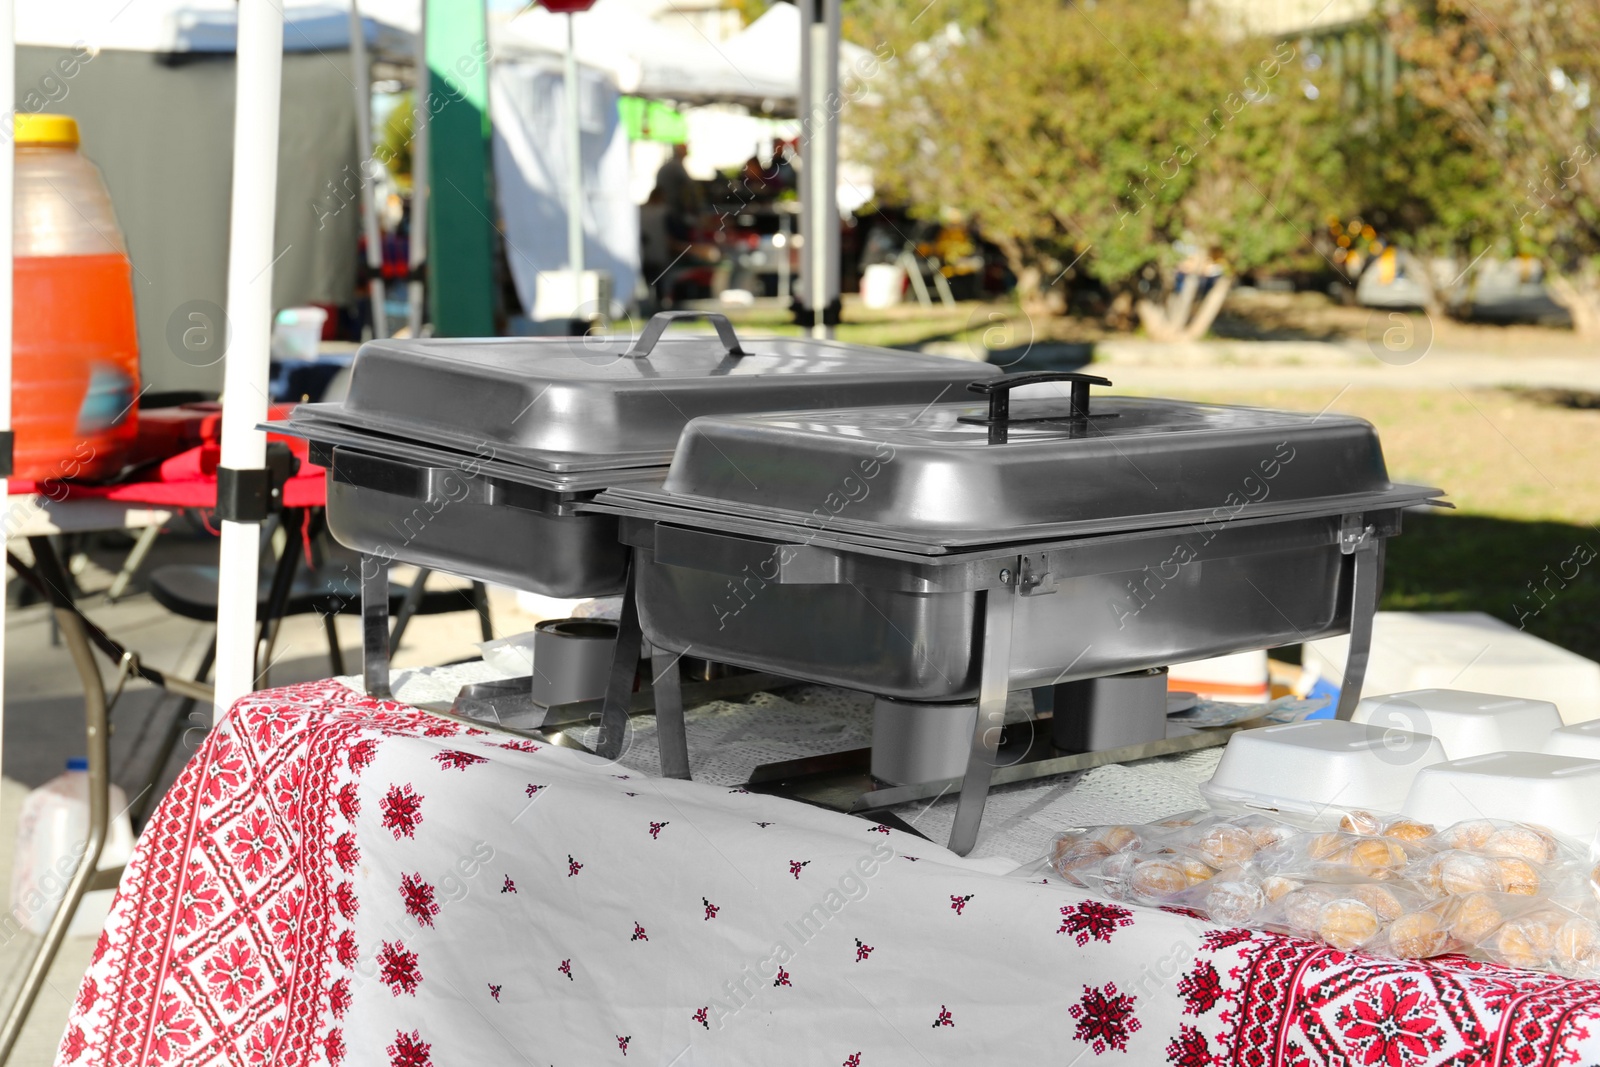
(338, 880)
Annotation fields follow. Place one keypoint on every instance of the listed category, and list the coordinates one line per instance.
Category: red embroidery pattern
(1105, 1018)
(711, 909)
(1093, 919)
(862, 950)
(796, 866)
(783, 978)
(494, 991)
(362, 753)
(398, 968)
(566, 969)
(1394, 1025)
(417, 895)
(573, 866)
(508, 886)
(701, 1016)
(638, 933)
(451, 759)
(944, 1019)
(1189, 1049)
(622, 1043)
(959, 904)
(409, 1050)
(402, 811)
(655, 829)
(1200, 989)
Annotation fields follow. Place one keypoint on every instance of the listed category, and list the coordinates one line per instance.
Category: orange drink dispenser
(75, 362)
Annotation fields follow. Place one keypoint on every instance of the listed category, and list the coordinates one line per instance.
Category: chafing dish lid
(575, 403)
(954, 473)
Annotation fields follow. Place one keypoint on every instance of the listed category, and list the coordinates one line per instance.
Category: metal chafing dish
(473, 456)
(953, 551)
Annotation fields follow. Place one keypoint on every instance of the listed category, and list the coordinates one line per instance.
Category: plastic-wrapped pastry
(1119, 838)
(1409, 831)
(1072, 856)
(1325, 846)
(1303, 907)
(1381, 900)
(1578, 947)
(1472, 834)
(1418, 935)
(1276, 886)
(1528, 942)
(1361, 822)
(1516, 876)
(1159, 879)
(1224, 846)
(1266, 833)
(1347, 923)
(1454, 873)
(1195, 871)
(1526, 842)
(1472, 917)
(1377, 857)
(1234, 902)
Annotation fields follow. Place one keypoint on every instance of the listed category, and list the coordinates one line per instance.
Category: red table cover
(186, 480)
(342, 881)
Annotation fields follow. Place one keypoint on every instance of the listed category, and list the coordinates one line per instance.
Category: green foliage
(1117, 130)
(1513, 80)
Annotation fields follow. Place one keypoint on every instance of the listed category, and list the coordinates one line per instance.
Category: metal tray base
(507, 704)
(841, 781)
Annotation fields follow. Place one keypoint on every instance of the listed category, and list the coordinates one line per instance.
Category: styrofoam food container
(1466, 724)
(1558, 792)
(1579, 739)
(1308, 767)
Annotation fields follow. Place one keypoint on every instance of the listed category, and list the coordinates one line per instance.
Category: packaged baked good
(1418, 935)
(1336, 856)
(1347, 923)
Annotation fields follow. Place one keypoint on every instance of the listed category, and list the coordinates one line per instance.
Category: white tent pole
(574, 163)
(246, 370)
(418, 256)
(8, 88)
(369, 169)
(819, 175)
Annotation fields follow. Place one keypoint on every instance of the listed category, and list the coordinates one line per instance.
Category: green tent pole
(461, 233)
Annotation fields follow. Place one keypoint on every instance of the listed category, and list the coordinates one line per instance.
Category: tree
(1515, 78)
(1118, 135)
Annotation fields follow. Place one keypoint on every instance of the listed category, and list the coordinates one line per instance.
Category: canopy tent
(527, 103)
(772, 44)
(180, 27)
(661, 58)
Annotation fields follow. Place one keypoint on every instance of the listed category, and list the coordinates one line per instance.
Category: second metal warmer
(954, 552)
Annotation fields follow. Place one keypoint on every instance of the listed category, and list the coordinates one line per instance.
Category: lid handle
(660, 320)
(999, 391)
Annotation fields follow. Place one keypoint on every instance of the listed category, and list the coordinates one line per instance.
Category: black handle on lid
(658, 325)
(999, 391)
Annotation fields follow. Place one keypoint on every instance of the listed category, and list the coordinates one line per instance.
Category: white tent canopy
(772, 44)
(661, 58)
(209, 26)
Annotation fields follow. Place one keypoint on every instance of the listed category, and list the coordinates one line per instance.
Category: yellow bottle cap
(46, 129)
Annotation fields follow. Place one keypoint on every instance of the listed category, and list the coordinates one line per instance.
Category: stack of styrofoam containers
(1436, 755)
(1417, 649)
(1309, 768)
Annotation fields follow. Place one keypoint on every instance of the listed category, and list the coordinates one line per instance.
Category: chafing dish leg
(1363, 605)
(993, 687)
(670, 734)
(375, 626)
(624, 672)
